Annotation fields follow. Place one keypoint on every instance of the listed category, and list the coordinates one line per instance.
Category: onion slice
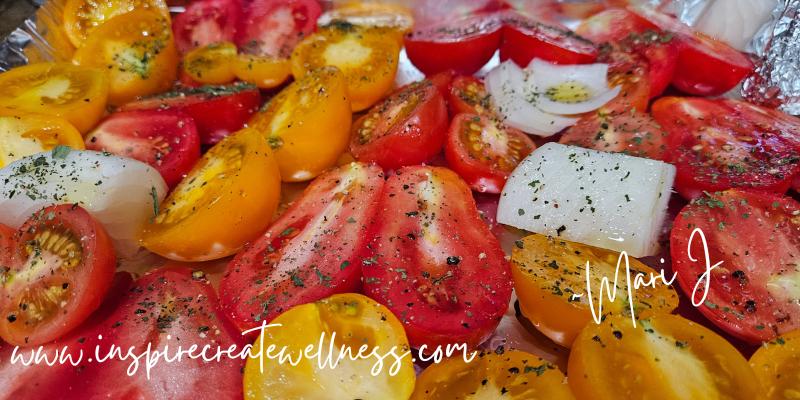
(591, 78)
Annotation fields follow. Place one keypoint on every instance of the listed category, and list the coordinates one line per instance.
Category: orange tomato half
(28, 134)
(266, 72)
(395, 17)
(211, 64)
(777, 366)
(83, 17)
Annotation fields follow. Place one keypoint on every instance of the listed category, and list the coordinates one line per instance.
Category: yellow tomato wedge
(77, 94)
(307, 124)
(513, 375)
(392, 16)
(211, 64)
(228, 198)
(367, 56)
(665, 357)
(266, 72)
(136, 51)
(361, 327)
(777, 366)
(550, 282)
(82, 17)
(28, 134)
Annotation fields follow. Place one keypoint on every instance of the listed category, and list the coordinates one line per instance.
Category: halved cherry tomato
(365, 331)
(663, 357)
(77, 94)
(434, 262)
(408, 128)
(275, 27)
(508, 374)
(368, 58)
(307, 124)
(28, 134)
(226, 200)
(525, 39)
(636, 134)
(217, 110)
(468, 95)
(463, 45)
(392, 16)
(550, 281)
(634, 77)
(484, 152)
(137, 53)
(83, 17)
(266, 72)
(310, 252)
(777, 364)
(717, 149)
(205, 22)
(8, 241)
(61, 271)
(752, 294)
(166, 140)
(211, 64)
(613, 25)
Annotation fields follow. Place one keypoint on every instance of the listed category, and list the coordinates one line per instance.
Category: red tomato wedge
(205, 22)
(467, 94)
(407, 128)
(61, 270)
(274, 27)
(525, 39)
(164, 139)
(436, 265)
(463, 45)
(484, 152)
(636, 134)
(310, 252)
(753, 293)
(715, 148)
(217, 110)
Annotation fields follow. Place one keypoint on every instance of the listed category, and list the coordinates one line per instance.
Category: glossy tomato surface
(467, 94)
(275, 27)
(525, 39)
(633, 133)
(23, 135)
(83, 17)
(205, 22)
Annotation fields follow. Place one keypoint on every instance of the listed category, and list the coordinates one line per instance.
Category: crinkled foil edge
(41, 38)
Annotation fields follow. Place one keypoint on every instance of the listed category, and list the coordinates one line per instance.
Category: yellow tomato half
(82, 17)
(307, 124)
(136, 51)
(513, 375)
(367, 56)
(361, 327)
(227, 199)
(211, 64)
(266, 72)
(665, 357)
(28, 134)
(395, 17)
(777, 366)
(77, 94)
(550, 282)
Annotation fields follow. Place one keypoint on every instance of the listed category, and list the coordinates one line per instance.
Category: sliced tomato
(434, 262)
(218, 111)
(634, 77)
(266, 72)
(61, 271)
(484, 152)
(165, 139)
(613, 25)
(396, 17)
(752, 294)
(309, 253)
(8, 242)
(716, 149)
(28, 134)
(525, 39)
(636, 134)
(83, 17)
(275, 27)
(211, 64)
(463, 45)
(467, 94)
(205, 22)
(776, 359)
(407, 128)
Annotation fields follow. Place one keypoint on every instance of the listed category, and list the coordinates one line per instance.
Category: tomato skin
(751, 233)
(83, 17)
(467, 94)
(432, 287)
(775, 359)
(488, 171)
(525, 39)
(264, 29)
(463, 46)
(217, 111)
(205, 22)
(322, 218)
(93, 261)
(416, 137)
(8, 241)
(166, 140)
(636, 134)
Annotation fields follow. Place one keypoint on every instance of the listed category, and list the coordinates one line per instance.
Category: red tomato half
(484, 152)
(310, 252)
(464, 45)
(408, 128)
(164, 139)
(716, 149)
(753, 293)
(525, 39)
(436, 265)
(628, 133)
(61, 270)
(217, 110)
(8, 244)
(274, 27)
(467, 94)
(205, 22)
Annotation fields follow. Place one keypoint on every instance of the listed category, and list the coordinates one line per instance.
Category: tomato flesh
(29, 134)
(467, 94)
(205, 22)
(525, 39)
(275, 27)
(776, 359)
(636, 134)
